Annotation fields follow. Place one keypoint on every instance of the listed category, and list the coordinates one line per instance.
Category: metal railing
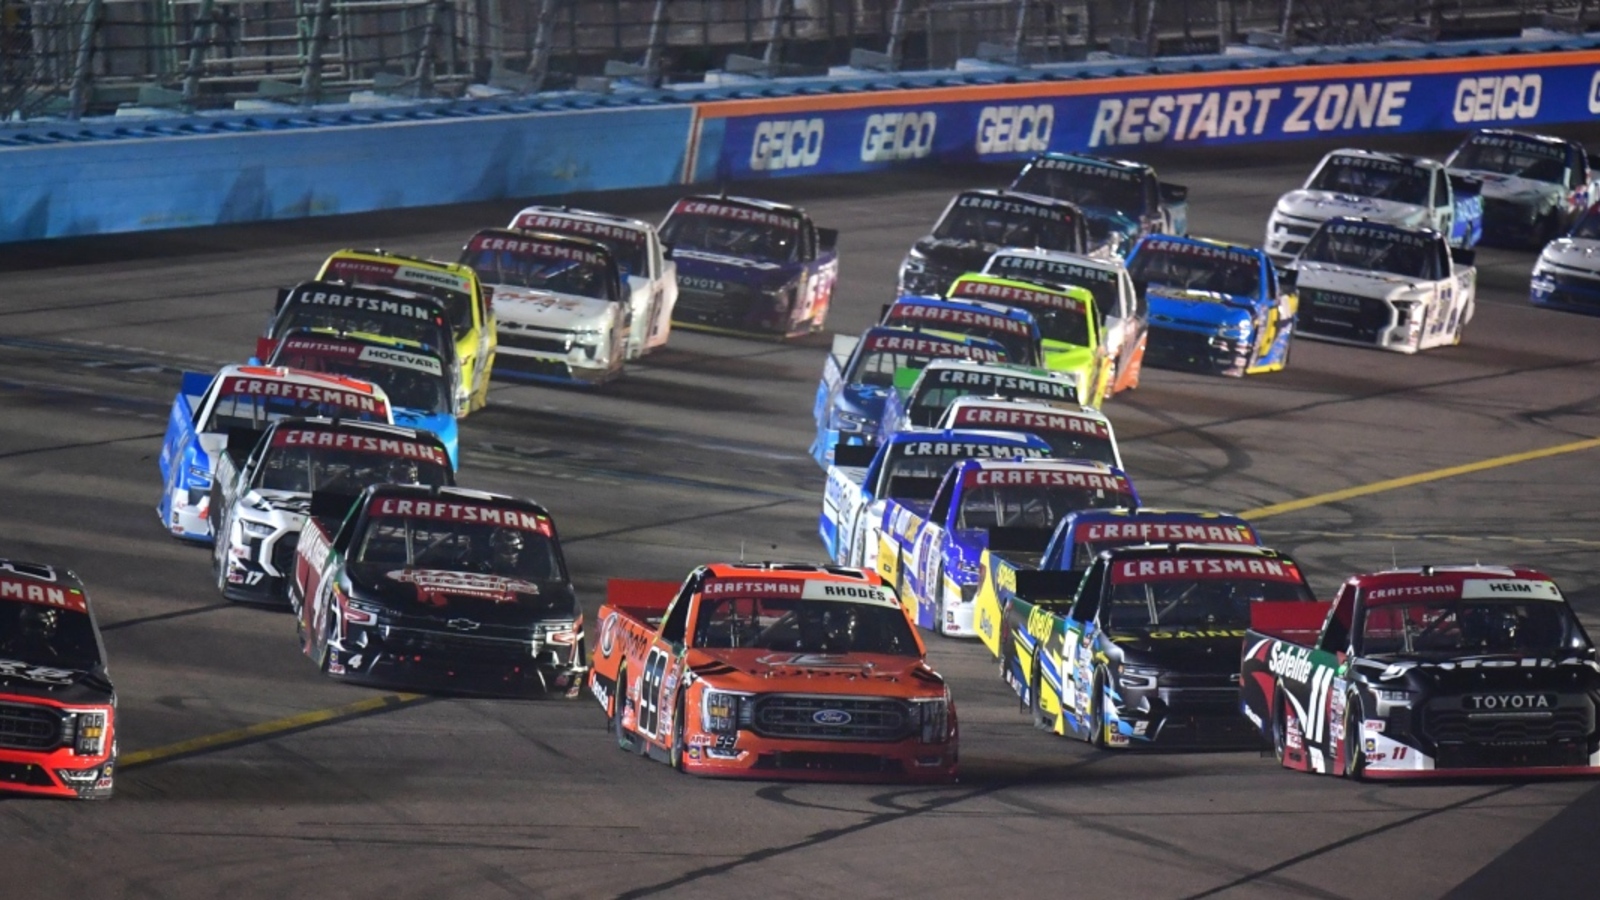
(78, 57)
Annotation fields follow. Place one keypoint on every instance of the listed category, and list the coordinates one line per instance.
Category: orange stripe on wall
(1040, 90)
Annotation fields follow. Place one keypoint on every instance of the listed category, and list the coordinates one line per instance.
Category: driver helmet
(505, 547)
(404, 471)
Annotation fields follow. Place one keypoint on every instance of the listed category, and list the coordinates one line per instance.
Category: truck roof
(968, 412)
(29, 582)
(785, 578)
(1001, 369)
(577, 215)
(986, 306)
(1452, 583)
(1191, 241)
(1408, 159)
(457, 495)
(751, 202)
(1057, 156)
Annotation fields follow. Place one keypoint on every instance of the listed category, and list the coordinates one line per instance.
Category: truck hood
(1183, 651)
(290, 502)
(1206, 308)
(1481, 674)
(494, 600)
(1573, 253)
(546, 309)
(766, 671)
(1512, 188)
(715, 272)
(1320, 205)
(1327, 276)
(958, 256)
(27, 678)
(863, 399)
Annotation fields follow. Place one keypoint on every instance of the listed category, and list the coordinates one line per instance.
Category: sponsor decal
(364, 302)
(237, 386)
(534, 247)
(463, 512)
(298, 348)
(361, 443)
(1379, 233)
(43, 593)
(1014, 295)
(1497, 98)
(740, 587)
(916, 345)
(1094, 168)
(957, 450)
(984, 383)
(373, 272)
(1198, 633)
(831, 717)
(1413, 592)
(1029, 420)
(1527, 589)
(809, 661)
(1037, 477)
(436, 587)
(888, 137)
(1015, 129)
(581, 227)
(1291, 663)
(789, 221)
(1135, 571)
(608, 633)
(1051, 269)
(1165, 532)
(1521, 144)
(863, 593)
(1203, 251)
(699, 283)
(15, 668)
(786, 144)
(919, 313)
(1013, 206)
(1247, 112)
(390, 356)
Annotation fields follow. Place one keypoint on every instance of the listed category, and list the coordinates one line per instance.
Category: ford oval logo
(831, 717)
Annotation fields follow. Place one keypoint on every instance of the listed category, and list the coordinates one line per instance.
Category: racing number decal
(650, 691)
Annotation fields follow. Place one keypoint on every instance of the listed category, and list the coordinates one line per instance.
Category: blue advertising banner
(856, 133)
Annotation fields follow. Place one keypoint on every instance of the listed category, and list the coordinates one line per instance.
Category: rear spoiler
(646, 597)
(264, 349)
(1047, 586)
(1277, 616)
(1019, 540)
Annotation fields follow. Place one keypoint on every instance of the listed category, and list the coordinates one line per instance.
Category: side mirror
(827, 238)
(1594, 161)
(666, 251)
(1286, 278)
(1174, 193)
(1463, 257)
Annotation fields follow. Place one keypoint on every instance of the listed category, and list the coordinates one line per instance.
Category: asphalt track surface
(248, 774)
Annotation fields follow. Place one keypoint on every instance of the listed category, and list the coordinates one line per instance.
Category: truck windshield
(1199, 603)
(1192, 268)
(1519, 158)
(935, 394)
(412, 277)
(803, 626)
(247, 409)
(768, 237)
(415, 542)
(1030, 506)
(302, 469)
(540, 265)
(46, 636)
(1003, 227)
(1457, 627)
(1372, 249)
(877, 367)
(1013, 334)
(1085, 184)
(414, 381)
(626, 243)
(429, 332)
(1381, 179)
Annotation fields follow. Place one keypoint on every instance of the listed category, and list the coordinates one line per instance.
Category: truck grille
(1343, 316)
(441, 646)
(1576, 290)
(710, 308)
(1457, 726)
(858, 763)
(808, 718)
(1169, 348)
(24, 727)
(1189, 698)
(535, 343)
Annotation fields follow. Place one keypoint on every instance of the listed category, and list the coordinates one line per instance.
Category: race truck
(750, 266)
(1405, 191)
(1437, 671)
(919, 405)
(1120, 311)
(1567, 274)
(472, 325)
(262, 491)
(437, 588)
(1073, 432)
(242, 397)
(1011, 327)
(1214, 306)
(773, 671)
(649, 272)
(1071, 327)
(1534, 186)
(1383, 286)
(400, 315)
(860, 373)
(930, 549)
(979, 222)
(1123, 200)
(559, 304)
(414, 378)
(1143, 655)
(1052, 577)
(58, 709)
(908, 466)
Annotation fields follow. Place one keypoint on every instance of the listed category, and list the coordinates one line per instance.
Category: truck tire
(1352, 759)
(1097, 711)
(1035, 688)
(619, 698)
(939, 619)
(1280, 727)
(678, 739)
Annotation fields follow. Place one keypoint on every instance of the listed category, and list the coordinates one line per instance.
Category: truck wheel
(219, 569)
(1097, 711)
(1280, 727)
(678, 739)
(325, 651)
(939, 619)
(1036, 685)
(1352, 759)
